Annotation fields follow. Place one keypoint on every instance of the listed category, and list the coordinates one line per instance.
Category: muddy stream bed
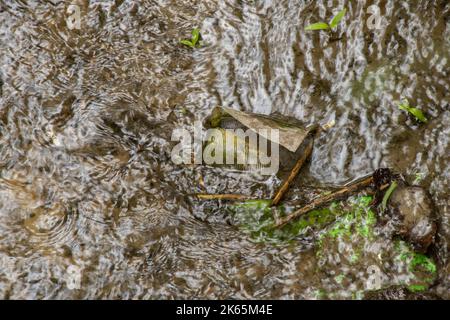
(91, 205)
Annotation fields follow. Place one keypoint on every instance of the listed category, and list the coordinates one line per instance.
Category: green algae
(359, 217)
(422, 261)
(417, 288)
(346, 229)
(423, 268)
(417, 262)
(256, 218)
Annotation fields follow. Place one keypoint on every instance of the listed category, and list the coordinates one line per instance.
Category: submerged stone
(291, 132)
(244, 141)
(415, 212)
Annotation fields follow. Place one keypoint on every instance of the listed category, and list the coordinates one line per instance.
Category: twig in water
(232, 197)
(344, 192)
(285, 187)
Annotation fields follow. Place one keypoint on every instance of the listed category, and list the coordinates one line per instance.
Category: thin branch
(295, 170)
(231, 197)
(342, 193)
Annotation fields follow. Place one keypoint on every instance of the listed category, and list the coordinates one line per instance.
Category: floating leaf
(187, 43)
(337, 18)
(417, 113)
(318, 26)
(194, 39)
(404, 105)
(195, 36)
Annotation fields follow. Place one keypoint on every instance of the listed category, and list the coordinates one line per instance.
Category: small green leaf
(318, 26)
(418, 177)
(187, 43)
(195, 36)
(417, 113)
(337, 18)
(388, 194)
(404, 105)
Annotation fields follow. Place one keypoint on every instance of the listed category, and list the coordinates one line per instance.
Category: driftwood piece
(295, 170)
(344, 192)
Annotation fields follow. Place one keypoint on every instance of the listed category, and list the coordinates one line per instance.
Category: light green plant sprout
(194, 41)
(418, 177)
(417, 113)
(388, 194)
(328, 26)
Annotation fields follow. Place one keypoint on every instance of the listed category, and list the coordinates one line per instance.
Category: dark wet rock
(416, 216)
(381, 177)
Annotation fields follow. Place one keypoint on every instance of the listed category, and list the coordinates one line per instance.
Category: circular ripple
(50, 225)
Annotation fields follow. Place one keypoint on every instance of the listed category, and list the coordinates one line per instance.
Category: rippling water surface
(91, 205)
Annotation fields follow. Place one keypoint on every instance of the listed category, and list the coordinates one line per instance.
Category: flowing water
(91, 205)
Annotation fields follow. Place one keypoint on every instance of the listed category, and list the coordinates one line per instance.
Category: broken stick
(344, 192)
(223, 197)
(298, 165)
